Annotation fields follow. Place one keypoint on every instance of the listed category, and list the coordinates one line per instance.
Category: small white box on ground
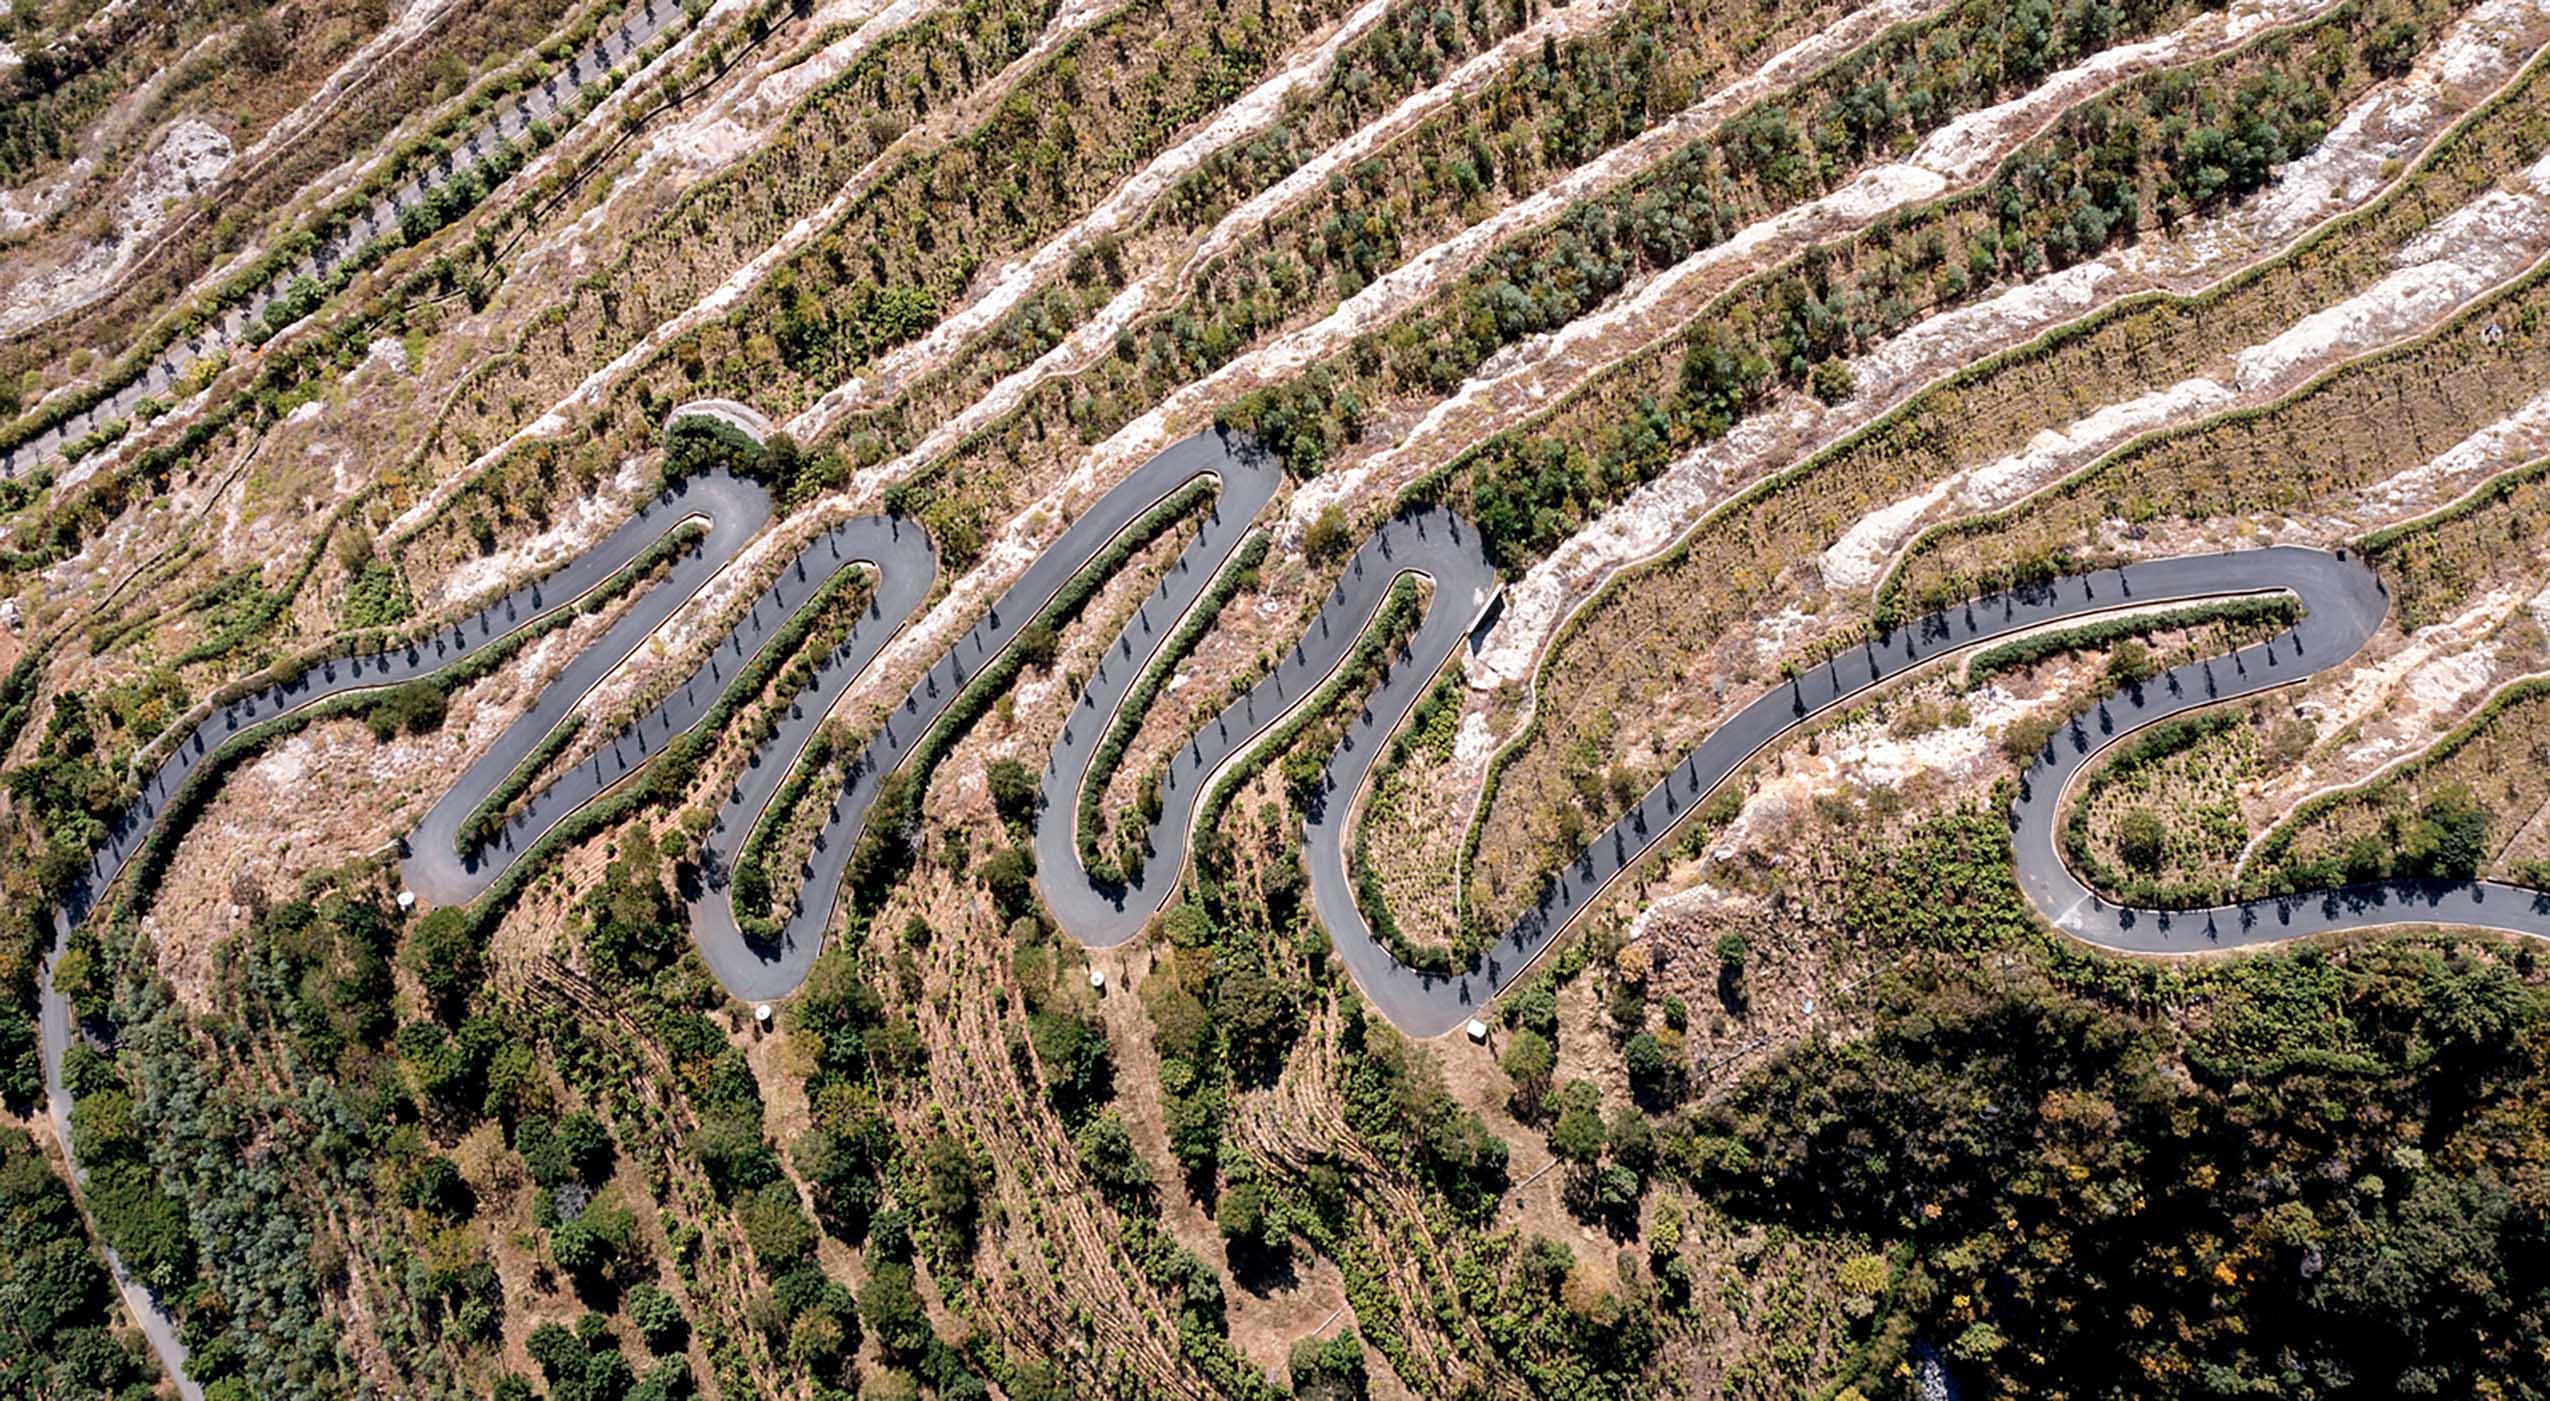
(1477, 1031)
(1098, 979)
(406, 900)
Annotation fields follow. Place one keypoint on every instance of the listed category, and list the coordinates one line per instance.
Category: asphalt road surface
(2342, 600)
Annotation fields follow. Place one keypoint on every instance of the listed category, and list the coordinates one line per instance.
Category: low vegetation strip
(1238, 575)
(2428, 394)
(2491, 537)
(1304, 761)
(489, 817)
(895, 824)
(837, 608)
(1646, 629)
(2443, 815)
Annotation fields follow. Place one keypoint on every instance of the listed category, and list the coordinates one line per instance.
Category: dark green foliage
(2130, 664)
(776, 1228)
(1329, 1369)
(1563, 1340)
(1108, 1155)
(376, 597)
(1248, 1221)
(1013, 789)
(2142, 840)
(468, 1072)
(1037, 643)
(1528, 1062)
(1396, 1099)
(2327, 1208)
(638, 927)
(1654, 1076)
(658, 1318)
(952, 1185)
(437, 1187)
(1062, 1023)
(1010, 875)
(415, 707)
(575, 1149)
(1259, 1016)
(890, 1306)
(70, 788)
(145, 1225)
(1577, 1136)
(58, 1311)
(2273, 609)
(442, 952)
(582, 1364)
(846, 1164)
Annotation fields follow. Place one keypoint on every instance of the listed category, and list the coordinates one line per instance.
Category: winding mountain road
(2343, 604)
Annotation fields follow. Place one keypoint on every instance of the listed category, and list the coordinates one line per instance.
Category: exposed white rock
(190, 155)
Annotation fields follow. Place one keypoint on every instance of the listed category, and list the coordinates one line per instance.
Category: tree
(890, 1306)
(1653, 1075)
(443, 954)
(1578, 1136)
(575, 1149)
(1010, 875)
(776, 1228)
(1731, 988)
(1247, 1220)
(1528, 1062)
(658, 1318)
(637, 927)
(416, 708)
(1013, 789)
(1108, 1155)
(439, 1188)
(2141, 840)
(1831, 381)
(1325, 540)
(1331, 1370)
(2131, 664)
(846, 1165)
(1259, 1017)
(586, 1146)
(2026, 737)
(260, 48)
(954, 1182)
(1038, 644)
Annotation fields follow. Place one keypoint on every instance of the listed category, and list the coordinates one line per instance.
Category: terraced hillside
(1274, 697)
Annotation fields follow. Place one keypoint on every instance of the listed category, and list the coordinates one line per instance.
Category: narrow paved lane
(2342, 600)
